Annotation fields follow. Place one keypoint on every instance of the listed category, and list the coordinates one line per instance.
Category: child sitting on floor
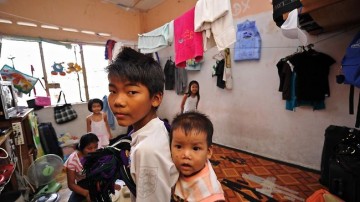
(74, 169)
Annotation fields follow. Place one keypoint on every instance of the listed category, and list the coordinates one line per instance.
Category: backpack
(351, 71)
(351, 62)
(104, 166)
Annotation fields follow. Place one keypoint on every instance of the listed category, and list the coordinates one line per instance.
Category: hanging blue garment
(107, 110)
(248, 42)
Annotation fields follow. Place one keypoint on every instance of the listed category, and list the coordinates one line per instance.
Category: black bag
(48, 139)
(333, 136)
(64, 113)
(343, 184)
(31, 104)
(340, 163)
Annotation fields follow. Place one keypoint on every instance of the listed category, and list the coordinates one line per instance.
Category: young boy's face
(131, 103)
(189, 152)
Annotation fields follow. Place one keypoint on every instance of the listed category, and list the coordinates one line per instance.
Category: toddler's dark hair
(95, 100)
(133, 66)
(85, 140)
(193, 122)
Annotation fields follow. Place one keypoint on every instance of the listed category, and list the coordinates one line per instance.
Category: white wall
(76, 127)
(252, 116)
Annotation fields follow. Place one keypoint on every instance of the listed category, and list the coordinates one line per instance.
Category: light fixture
(87, 32)
(50, 27)
(5, 21)
(70, 29)
(103, 34)
(29, 24)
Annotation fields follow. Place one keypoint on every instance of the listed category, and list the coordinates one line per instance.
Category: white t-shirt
(151, 165)
(190, 104)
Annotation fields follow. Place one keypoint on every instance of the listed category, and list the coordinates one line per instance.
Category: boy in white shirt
(136, 84)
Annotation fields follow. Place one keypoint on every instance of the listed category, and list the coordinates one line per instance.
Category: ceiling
(140, 5)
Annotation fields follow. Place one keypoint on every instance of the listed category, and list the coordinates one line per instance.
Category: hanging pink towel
(188, 44)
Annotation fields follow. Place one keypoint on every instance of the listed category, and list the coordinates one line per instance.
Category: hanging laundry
(248, 42)
(219, 72)
(116, 50)
(108, 49)
(106, 109)
(281, 7)
(304, 76)
(188, 44)
(227, 77)
(290, 28)
(192, 65)
(214, 19)
(180, 80)
(169, 71)
(157, 39)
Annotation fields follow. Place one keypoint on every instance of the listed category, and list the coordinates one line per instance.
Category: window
(27, 53)
(95, 64)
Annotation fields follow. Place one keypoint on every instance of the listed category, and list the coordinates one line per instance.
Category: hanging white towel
(214, 19)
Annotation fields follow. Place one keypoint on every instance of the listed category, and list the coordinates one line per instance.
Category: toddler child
(191, 148)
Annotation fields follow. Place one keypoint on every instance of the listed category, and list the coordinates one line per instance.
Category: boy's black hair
(85, 140)
(193, 121)
(95, 100)
(189, 89)
(133, 66)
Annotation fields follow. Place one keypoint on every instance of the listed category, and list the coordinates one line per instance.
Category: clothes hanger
(218, 56)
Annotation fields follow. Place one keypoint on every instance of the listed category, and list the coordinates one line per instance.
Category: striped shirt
(73, 163)
(201, 187)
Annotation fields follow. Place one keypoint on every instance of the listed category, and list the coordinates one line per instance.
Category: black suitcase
(343, 183)
(48, 139)
(333, 136)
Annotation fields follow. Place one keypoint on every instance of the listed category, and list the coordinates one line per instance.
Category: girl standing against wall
(191, 99)
(97, 122)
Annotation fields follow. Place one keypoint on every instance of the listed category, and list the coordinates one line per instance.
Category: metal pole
(84, 73)
(44, 68)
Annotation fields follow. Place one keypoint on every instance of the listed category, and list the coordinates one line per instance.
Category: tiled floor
(249, 176)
